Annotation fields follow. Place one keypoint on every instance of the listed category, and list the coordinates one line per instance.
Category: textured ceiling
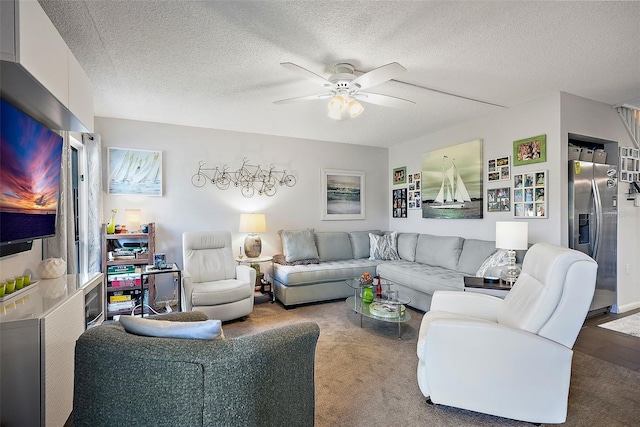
(215, 64)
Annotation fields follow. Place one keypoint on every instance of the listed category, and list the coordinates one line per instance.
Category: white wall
(184, 207)
(586, 117)
(21, 263)
(555, 115)
(497, 132)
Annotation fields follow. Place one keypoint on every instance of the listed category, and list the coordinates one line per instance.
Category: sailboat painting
(135, 172)
(452, 182)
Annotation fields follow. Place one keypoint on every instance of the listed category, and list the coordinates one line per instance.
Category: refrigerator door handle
(597, 202)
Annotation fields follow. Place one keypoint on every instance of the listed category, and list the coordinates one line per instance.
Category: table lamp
(512, 236)
(132, 220)
(252, 224)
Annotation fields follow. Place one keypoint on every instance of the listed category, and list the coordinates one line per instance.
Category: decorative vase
(111, 227)
(367, 295)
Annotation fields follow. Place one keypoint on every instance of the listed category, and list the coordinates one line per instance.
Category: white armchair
(212, 282)
(510, 358)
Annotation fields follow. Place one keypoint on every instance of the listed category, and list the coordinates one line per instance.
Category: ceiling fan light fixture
(355, 108)
(336, 103)
(335, 114)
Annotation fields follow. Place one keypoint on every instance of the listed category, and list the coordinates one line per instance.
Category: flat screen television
(30, 162)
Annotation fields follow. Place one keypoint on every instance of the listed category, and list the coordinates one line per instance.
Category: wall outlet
(627, 269)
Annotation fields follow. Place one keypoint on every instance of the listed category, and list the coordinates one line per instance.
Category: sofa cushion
(439, 251)
(360, 243)
(474, 253)
(407, 246)
(383, 247)
(421, 277)
(333, 246)
(280, 259)
(202, 330)
(331, 271)
(298, 244)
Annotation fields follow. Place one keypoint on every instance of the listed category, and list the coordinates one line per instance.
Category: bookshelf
(124, 257)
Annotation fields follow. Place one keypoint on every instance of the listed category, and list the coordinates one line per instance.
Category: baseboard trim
(619, 309)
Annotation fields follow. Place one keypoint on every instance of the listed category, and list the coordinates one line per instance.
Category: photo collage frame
(629, 164)
(415, 190)
(530, 194)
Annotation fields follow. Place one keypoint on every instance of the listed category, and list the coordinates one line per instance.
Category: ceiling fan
(345, 88)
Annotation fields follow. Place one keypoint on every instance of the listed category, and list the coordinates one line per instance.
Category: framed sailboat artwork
(452, 181)
(134, 172)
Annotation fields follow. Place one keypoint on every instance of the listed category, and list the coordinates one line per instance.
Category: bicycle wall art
(251, 179)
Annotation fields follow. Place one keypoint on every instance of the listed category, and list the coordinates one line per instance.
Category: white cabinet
(41, 50)
(38, 331)
(30, 40)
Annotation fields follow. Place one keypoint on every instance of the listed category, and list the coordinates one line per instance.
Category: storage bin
(599, 156)
(574, 152)
(586, 154)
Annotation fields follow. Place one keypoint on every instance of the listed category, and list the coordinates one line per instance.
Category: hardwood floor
(615, 347)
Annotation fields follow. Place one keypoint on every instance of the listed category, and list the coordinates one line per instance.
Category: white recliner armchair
(510, 358)
(212, 282)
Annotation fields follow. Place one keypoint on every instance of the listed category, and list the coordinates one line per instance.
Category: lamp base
(252, 246)
(512, 271)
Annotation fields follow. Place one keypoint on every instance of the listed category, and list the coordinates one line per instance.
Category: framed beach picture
(452, 180)
(134, 172)
(530, 150)
(343, 194)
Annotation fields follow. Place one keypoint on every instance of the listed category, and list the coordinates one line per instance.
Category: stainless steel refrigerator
(593, 224)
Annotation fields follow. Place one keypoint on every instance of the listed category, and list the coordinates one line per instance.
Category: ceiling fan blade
(377, 76)
(384, 100)
(309, 75)
(305, 98)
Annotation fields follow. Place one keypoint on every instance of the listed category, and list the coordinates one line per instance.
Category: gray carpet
(367, 377)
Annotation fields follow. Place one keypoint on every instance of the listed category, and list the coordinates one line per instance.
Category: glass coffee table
(391, 307)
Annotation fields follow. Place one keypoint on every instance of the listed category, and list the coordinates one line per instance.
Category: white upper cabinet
(80, 93)
(31, 40)
(42, 51)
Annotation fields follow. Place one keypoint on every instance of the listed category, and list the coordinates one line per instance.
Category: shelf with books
(124, 257)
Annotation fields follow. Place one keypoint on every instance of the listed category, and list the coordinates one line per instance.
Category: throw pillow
(203, 330)
(383, 247)
(498, 259)
(298, 244)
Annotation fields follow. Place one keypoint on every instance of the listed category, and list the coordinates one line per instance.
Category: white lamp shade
(512, 235)
(253, 223)
(355, 108)
(132, 219)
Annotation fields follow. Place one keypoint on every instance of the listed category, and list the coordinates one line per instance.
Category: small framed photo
(499, 169)
(530, 150)
(400, 175)
(530, 194)
(499, 199)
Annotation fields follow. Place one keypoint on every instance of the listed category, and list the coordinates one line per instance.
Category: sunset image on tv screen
(30, 160)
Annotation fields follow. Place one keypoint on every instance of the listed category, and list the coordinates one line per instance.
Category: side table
(478, 284)
(258, 260)
(150, 270)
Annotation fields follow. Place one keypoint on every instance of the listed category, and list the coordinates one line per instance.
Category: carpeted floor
(629, 325)
(367, 377)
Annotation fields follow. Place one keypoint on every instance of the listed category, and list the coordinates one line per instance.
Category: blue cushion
(203, 330)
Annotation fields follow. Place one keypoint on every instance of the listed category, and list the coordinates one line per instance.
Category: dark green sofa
(266, 379)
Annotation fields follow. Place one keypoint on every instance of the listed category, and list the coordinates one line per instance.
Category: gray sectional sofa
(427, 263)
